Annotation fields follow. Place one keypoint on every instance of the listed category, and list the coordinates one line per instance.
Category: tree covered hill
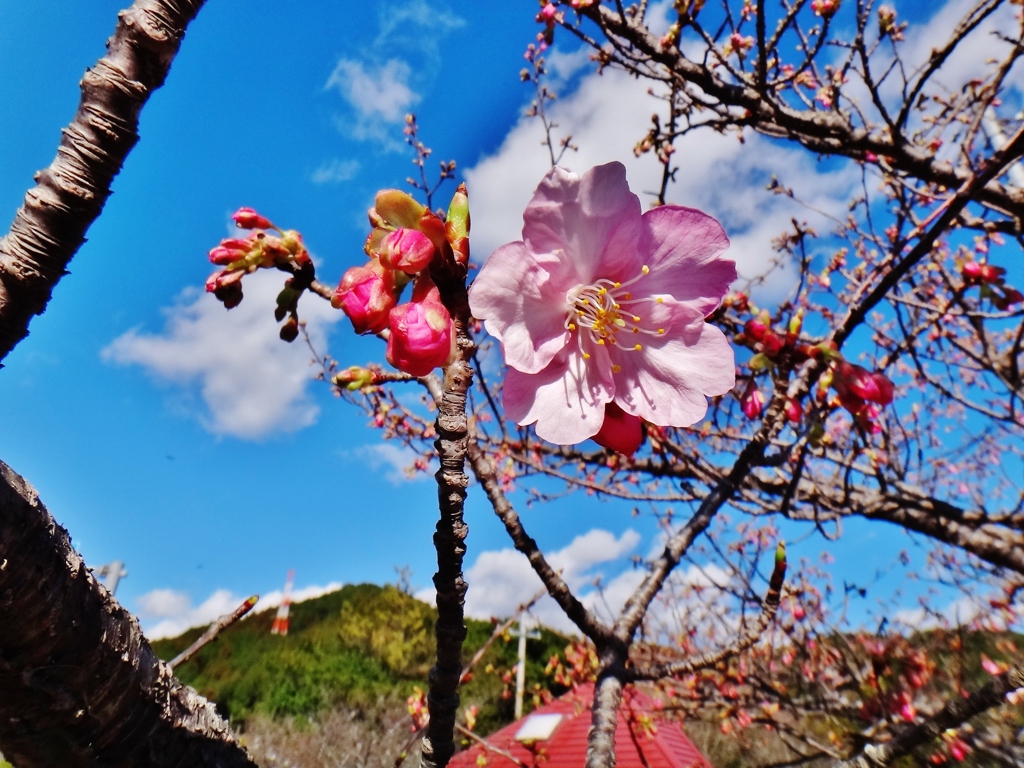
(357, 647)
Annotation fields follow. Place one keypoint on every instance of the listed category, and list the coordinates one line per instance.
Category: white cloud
(252, 383)
(606, 116)
(335, 171)
(500, 580)
(411, 20)
(396, 459)
(176, 613)
(378, 92)
(973, 611)
(163, 602)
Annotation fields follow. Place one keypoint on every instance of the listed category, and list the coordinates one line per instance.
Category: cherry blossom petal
(521, 306)
(684, 249)
(667, 384)
(592, 222)
(566, 400)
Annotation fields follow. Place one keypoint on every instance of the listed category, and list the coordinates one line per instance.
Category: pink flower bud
(971, 271)
(247, 218)
(422, 337)
(752, 401)
(772, 344)
(229, 250)
(855, 385)
(406, 250)
(991, 274)
(367, 296)
(548, 13)
(794, 411)
(226, 286)
(620, 432)
(754, 329)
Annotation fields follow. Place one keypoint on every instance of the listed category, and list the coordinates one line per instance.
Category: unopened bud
(290, 330)
(354, 378)
(366, 294)
(247, 218)
(456, 228)
(406, 250)
(422, 336)
(620, 431)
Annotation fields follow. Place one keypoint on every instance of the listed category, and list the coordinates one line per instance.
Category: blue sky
(190, 442)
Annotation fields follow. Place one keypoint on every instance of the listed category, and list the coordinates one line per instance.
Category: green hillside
(355, 647)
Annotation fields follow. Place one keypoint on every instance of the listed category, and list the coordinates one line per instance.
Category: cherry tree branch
(956, 712)
(754, 633)
(69, 195)
(81, 686)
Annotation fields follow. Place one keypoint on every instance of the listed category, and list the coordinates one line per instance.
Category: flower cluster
(859, 391)
(406, 239)
(238, 256)
(825, 8)
(992, 280)
(600, 311)
(416, 705)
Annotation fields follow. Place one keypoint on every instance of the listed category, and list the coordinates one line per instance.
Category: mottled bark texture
(79, 684)
(50, 226)
(450, 535)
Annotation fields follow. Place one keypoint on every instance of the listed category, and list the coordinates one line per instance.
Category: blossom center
(607, 312)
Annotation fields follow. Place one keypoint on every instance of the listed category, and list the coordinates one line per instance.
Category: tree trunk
(50, 226)
(79, 684)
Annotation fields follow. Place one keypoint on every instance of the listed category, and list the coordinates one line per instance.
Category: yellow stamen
(616, 368)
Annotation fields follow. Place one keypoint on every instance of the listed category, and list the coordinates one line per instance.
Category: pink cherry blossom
(598, 304)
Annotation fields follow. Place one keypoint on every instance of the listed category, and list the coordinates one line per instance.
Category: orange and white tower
(280, 625)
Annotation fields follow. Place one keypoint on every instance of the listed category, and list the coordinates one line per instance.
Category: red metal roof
(661, 744)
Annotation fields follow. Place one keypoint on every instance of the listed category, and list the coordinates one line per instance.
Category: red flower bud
(406, 250)
(367, 296)
(794, 411)
(991, 274)
(226, 286)
(752, 401)
(754, 329)
(247, 218)
(620, 432)
(772, 344)
(422, 337)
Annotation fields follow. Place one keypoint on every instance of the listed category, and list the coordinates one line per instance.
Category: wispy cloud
(502, 579)
(397, 460)
(336, 171)
(168, 612)
(380, 87)
(251, 383)
(377, 92)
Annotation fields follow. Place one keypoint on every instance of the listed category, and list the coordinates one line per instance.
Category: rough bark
(452, 428)
(79, 684)
(69, 195)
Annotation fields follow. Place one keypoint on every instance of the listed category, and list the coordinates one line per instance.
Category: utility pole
(111, 573)
(524, 634)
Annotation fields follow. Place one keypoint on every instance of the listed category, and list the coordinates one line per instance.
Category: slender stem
(215, 629)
